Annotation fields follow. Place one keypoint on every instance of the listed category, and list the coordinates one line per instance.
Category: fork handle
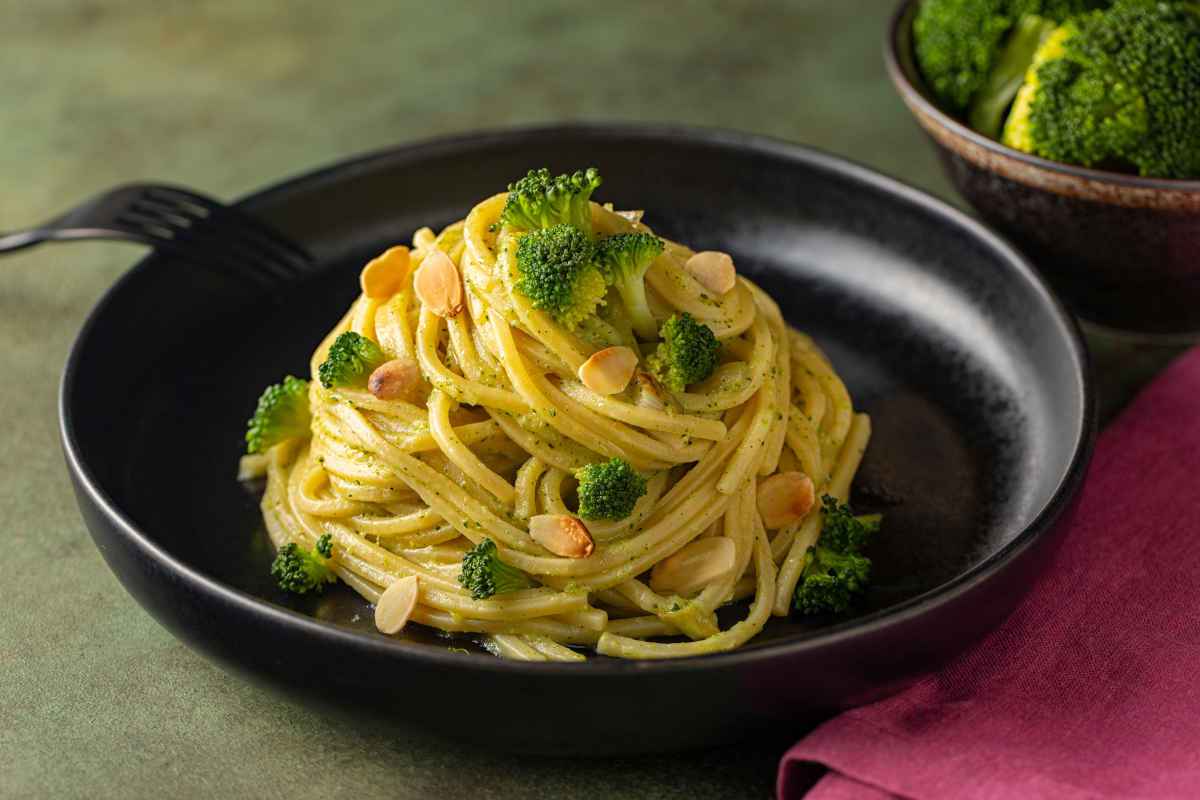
(193, 228)
(10, 243)
(19, 240)
(92, 220)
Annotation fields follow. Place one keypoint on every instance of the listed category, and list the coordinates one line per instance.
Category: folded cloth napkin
(1091, 689)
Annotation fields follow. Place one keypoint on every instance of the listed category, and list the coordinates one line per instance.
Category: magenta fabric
(1091, 689)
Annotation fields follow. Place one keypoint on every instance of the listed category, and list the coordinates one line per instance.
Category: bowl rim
(384, 647)
(914, 91)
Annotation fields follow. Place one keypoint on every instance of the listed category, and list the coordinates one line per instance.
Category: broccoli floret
(300, 571)
(539, 201)
(841, 530)
(609, 489)
(1116, 88)
(625, 259)
(558, 272)
(957, 43)
(484, 574)
(282, 413)
(835, 572)
(1017, 132)
(830, 581)
(687, 354)
(351, 360)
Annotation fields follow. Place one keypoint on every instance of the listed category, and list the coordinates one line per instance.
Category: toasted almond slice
(395, 379)
(608, 371)
(562, 535)
(693, 566)
(396, 604)
(785, 498)
(424, 237)
(438, 285)
(713, 269)
(383, 276)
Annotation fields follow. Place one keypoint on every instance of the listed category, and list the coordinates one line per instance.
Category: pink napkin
(1092, 688)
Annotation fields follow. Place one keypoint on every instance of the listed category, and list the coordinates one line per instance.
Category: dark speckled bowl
(1123, 251)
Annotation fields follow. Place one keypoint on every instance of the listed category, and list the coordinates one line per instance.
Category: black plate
(973, 373)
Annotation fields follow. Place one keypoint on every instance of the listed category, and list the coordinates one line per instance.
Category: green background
(96, 700)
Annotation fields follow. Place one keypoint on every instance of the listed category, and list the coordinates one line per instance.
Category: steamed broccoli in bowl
(958, 43)
(1111, 84)
(1116, 88)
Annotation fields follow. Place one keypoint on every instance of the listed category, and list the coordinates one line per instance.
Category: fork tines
(212, 235)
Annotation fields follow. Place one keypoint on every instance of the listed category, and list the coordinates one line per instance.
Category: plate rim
(928, 601)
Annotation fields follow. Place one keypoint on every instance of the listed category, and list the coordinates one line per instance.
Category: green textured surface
(96, 700)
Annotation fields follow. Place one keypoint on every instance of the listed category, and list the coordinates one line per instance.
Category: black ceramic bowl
(974, 374)
(1123, 251)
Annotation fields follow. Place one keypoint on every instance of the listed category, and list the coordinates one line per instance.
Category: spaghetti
(488, 406)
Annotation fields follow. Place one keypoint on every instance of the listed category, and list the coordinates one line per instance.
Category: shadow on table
(742, 769)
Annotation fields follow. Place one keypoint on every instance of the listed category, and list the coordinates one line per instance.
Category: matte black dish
(1124, 251)
(974, 374)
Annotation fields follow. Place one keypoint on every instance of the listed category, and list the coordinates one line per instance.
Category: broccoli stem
(633, 295)
(990, 104)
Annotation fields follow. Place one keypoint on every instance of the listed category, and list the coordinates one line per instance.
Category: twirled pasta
(405, 487)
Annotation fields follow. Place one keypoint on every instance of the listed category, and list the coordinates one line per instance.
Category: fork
(189, 226)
